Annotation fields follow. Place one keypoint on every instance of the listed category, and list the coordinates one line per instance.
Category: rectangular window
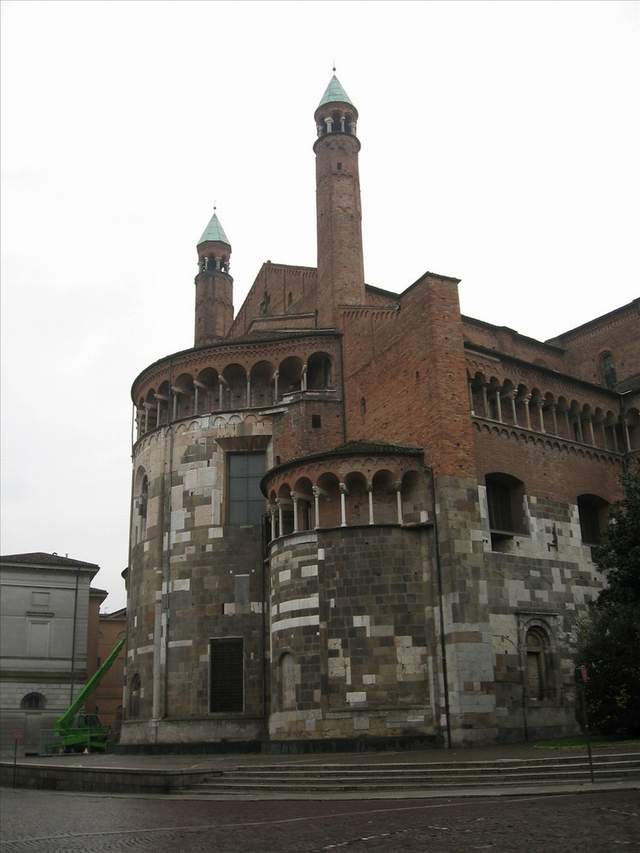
(316, 421)
(499, 500)
(226, 676)
(246, 501)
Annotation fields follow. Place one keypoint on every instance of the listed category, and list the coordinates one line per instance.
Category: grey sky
(499, 144)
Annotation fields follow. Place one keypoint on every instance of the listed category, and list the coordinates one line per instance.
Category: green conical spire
(334, 93)
(214, 232)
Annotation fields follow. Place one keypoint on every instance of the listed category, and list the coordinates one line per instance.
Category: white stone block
(356, 698)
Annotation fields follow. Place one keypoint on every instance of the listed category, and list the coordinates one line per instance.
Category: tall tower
(339, 212)
(214, 285)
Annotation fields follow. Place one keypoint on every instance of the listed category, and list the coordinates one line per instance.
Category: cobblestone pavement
(48, 822)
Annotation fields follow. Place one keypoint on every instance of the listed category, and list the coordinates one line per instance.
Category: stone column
(567, 423)
(370, 494)
(592, 437)
(276, 374)
(627, 437)
(248, 391)
(157, 411)
(280, 530)
(526, 400)
(554, 415)
(471, 396)
(485, 400)
(303, 379)
(397, 487)
(343, 505)
(514, 412)
(316, 506)
(220, 392)
(272, 513)
(579, 425)
(294, 500)
(541, 416)
(498, 405)
(175, 405)
(195, 398)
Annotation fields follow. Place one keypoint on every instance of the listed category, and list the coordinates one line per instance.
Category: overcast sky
(500, 144)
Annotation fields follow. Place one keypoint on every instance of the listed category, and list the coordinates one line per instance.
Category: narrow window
(226, 676)
(594, 513)
(536, 647)
(363, 406)
(339, 167)
(316, 421)
(246, 502)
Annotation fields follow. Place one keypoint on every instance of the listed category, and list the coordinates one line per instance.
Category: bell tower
(339, 212)
(214, 285)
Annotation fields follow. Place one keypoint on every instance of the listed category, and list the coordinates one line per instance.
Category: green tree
(609, 638)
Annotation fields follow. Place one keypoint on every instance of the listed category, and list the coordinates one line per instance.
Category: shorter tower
(214, 285)
(339, 212)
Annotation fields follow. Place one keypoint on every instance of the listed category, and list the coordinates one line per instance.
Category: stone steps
(303, 779)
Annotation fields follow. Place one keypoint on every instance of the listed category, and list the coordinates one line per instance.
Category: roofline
(77, 566)
(555, 347)
(596, 320)
(470, 345)
(338, 453)
(432, 275)
(381, 290)
(227, 342)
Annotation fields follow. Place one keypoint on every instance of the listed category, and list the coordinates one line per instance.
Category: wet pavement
(46, 822)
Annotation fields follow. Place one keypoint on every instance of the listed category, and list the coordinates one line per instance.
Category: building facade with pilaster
(359, 514)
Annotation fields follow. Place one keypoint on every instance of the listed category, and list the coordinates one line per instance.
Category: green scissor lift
(76, 731)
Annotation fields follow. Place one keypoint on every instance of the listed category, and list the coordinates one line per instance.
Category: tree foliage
(609, 640)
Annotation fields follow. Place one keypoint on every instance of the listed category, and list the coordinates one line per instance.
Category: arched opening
(562, 410)
(163, 400)
(134, 697)
(290, 376)
(319, 371)
(329, 502)
(479, 396)
(183, 390)
(522, 406)
(549, 415)
(33, 702)
(633, 428)
(151, 409)
(575, 421)
(303, 491)
(140, 502)
(357, 498)
(285, 509)
(206, 390)
(385, 508)
(505, 500)
(593, 512)
(234, 387)
(261, 380)
(508, 402)
(414, 496)
(537, 663)
(494, 400)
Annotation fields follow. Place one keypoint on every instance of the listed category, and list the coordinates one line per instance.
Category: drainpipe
(443, 642)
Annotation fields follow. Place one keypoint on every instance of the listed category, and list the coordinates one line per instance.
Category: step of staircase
(334, 778)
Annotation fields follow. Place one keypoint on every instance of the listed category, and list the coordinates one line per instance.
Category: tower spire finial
(334, 66)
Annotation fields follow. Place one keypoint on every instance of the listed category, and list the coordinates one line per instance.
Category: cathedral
(359, 517)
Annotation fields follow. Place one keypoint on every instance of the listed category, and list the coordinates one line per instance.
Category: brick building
(361, 514)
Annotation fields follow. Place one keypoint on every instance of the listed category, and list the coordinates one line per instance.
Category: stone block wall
(349, 605)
